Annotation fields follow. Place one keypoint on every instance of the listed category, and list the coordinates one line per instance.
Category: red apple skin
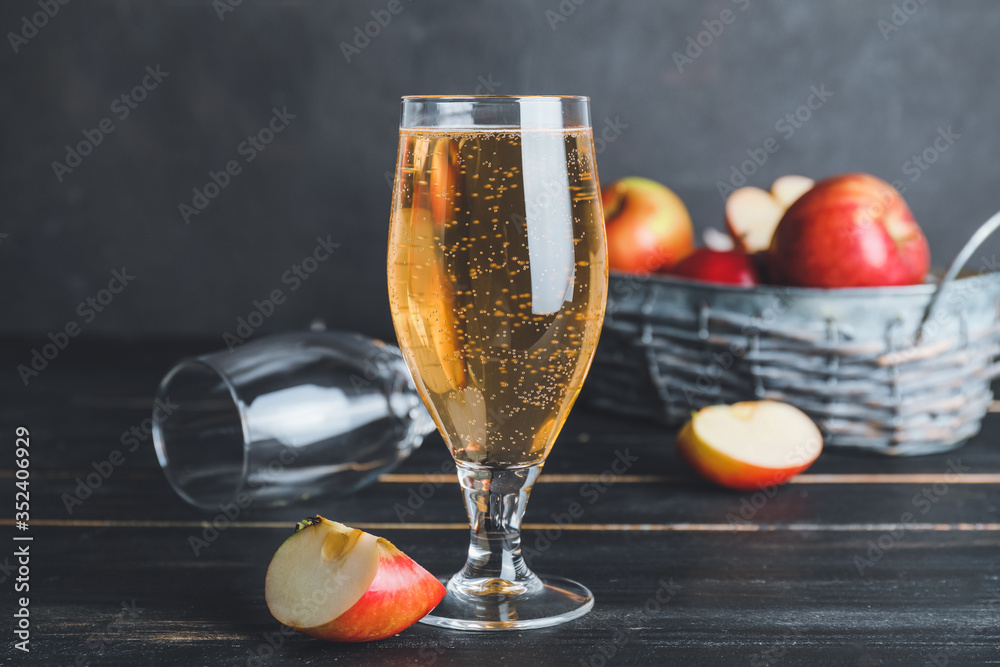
(648, 226)
(402, 593)
(724, 470)
(853, 230)
(729, 267)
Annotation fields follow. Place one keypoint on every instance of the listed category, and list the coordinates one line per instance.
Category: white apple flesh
(750, 445)
(787, 189)
(751, 215)
(339, 583)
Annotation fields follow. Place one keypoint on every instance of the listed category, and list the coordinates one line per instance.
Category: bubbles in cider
(497, 282)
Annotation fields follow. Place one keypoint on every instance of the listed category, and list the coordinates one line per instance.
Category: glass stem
(495, 501)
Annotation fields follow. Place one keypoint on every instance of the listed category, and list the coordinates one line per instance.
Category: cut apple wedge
(750, 445)
(789, 188)
(751, 215)
(342, 584)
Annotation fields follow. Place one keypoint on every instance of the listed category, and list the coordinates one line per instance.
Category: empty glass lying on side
(286, 419)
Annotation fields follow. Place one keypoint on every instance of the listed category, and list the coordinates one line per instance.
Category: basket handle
(984, 232)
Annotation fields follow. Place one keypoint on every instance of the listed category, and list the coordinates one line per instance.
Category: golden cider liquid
(497, 282)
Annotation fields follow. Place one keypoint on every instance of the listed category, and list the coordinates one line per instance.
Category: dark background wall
(325, 174)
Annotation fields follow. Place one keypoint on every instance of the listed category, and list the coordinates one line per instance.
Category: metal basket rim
(923, 289)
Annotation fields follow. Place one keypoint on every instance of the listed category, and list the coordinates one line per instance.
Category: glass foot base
(557, 601)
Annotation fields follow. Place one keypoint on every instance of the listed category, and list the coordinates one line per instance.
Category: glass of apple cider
(498, 278)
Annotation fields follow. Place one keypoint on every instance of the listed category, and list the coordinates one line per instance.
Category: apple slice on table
(752, 214)
(750, 445)
(342, 584)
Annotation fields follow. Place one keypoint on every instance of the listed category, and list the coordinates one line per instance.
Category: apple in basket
(648, 226)
(752, 213)
(852, 230)
(334, 582)
(729, 267)
(749, 445)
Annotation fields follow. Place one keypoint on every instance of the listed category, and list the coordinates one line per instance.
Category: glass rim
(160, 446)
(495, 98)
(509, 112)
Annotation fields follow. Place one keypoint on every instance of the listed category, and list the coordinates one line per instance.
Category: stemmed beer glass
(497, 281)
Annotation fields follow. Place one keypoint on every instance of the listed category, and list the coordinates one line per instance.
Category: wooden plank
(915, 527)
(824, 569)
(556, 478)
(790, 595)
(74, 437)
(606, 502)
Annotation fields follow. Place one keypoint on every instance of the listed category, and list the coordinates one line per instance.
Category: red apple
(853, 230)
(750, 445)
(752, 213)
(648, 226)
(729, 267)
(338, 583)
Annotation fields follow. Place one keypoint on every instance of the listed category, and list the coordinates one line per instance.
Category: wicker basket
(896, 370)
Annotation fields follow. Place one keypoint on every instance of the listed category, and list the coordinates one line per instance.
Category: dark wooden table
(861, 561)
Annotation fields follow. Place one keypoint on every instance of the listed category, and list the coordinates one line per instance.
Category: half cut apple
(750, 445)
